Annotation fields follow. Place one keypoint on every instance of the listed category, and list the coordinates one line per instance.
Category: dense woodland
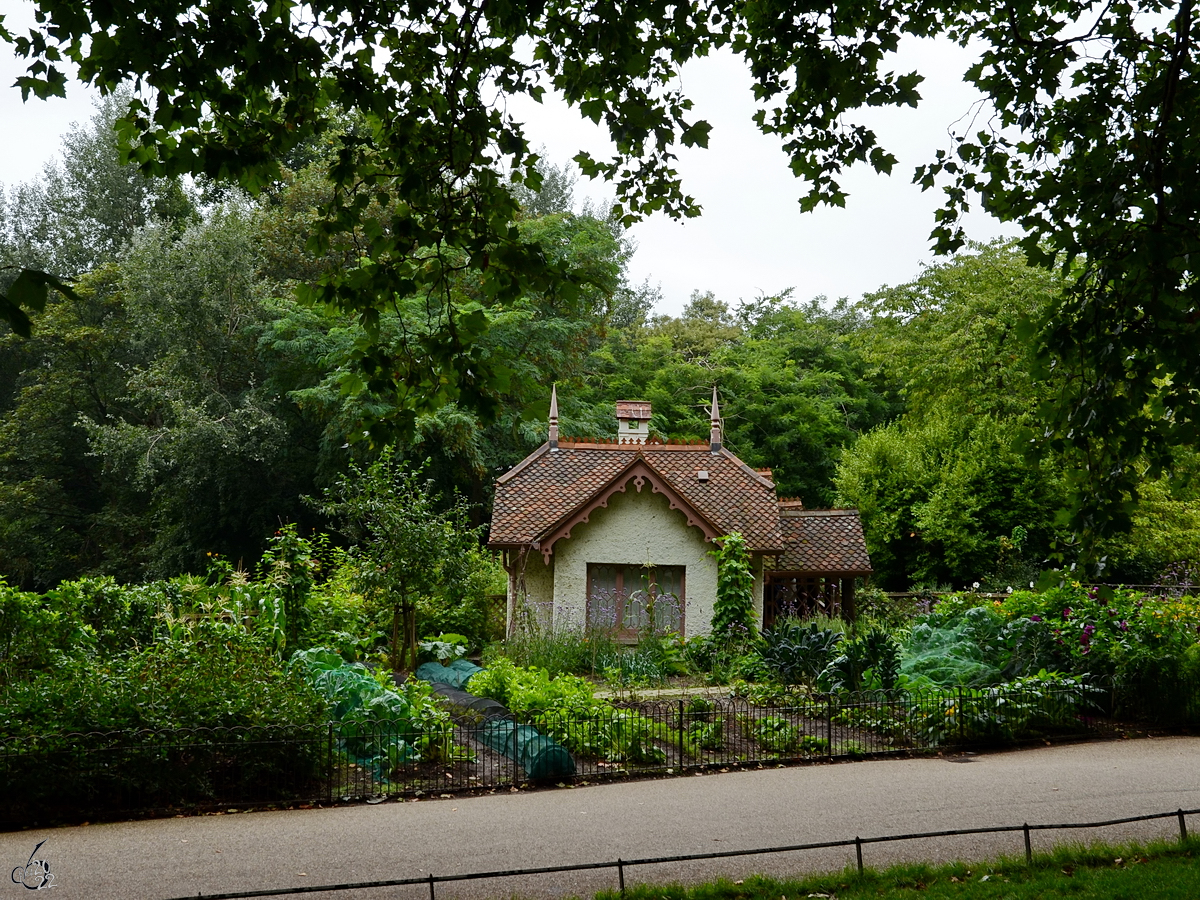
(185, 405)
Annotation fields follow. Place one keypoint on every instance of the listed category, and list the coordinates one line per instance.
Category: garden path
(691, 814)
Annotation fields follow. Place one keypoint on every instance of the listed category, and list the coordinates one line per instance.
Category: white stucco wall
(537, 598)
(634, 529)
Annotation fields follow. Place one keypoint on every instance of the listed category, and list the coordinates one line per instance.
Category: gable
(542, 498)
(639, 474)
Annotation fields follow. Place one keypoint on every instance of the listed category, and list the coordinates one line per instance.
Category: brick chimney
(633, 421)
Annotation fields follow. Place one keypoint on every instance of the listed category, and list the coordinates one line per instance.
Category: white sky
(752, 237)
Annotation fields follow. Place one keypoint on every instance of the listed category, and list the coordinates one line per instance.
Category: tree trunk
(397, 661)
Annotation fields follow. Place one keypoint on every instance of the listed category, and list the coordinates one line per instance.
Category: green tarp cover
(538, 755)
(455, 674)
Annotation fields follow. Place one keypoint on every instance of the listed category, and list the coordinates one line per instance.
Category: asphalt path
(691, 814)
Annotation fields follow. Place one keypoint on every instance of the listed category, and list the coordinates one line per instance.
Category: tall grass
(560, 649)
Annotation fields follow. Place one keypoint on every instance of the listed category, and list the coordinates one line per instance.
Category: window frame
(619, 628)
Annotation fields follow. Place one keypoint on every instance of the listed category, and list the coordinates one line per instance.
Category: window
(627, 599)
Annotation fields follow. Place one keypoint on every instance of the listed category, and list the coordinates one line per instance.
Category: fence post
(1028, 847)
(329, 765)
(962, 734)
(621, 875)
(829, 726)
(1182, 828)
(431, 897)
(681, 735)
(858, 852)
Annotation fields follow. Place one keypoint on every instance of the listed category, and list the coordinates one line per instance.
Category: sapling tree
(412, 544)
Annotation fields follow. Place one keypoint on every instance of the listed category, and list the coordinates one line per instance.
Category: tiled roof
(822, 540)
(550, 486)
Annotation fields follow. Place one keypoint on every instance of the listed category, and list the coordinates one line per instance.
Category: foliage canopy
(1090, 147)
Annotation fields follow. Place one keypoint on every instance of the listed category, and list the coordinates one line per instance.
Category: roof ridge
(523, 464)
(753, 473)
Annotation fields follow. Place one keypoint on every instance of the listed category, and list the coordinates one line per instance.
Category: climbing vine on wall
(733, 613)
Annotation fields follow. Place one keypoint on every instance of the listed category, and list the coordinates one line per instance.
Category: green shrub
(866, 662)
(218, 677)
(797, 652)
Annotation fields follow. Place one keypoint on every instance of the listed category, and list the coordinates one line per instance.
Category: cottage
(619, 533)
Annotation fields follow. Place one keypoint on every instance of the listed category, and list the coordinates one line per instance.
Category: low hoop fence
(621, 865)
(60, 777)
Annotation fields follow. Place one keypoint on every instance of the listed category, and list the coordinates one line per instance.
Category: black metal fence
(70, 776)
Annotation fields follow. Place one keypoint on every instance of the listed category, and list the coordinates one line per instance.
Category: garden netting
(538, 755)
(456, 674)
(969, 652)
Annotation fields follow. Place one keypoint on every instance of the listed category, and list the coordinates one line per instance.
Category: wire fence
(71, 776)
(621, 865)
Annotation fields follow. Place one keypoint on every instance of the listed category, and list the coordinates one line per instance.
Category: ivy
(733, 613)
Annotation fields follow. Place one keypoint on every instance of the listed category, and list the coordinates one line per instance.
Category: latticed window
(627, 599)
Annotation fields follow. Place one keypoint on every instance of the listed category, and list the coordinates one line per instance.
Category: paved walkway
(693, 814)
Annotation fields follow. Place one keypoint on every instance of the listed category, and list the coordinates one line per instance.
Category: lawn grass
(1158, 871)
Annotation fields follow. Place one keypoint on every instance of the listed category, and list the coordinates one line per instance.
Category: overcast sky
(752, 237)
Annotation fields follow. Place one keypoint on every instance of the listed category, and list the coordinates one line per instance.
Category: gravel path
(685, 815)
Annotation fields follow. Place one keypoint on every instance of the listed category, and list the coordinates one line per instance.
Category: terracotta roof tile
(822, 540)
(548, 486)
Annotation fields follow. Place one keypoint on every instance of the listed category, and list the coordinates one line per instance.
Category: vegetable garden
(200, 693)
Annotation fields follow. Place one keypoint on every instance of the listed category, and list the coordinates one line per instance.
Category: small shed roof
(828, 541)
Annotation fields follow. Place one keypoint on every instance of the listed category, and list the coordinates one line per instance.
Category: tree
(941, 499)
(88, 206)
(954, 337)
(412, 547)
(1091, 148)
(82, 213)
(794, 389)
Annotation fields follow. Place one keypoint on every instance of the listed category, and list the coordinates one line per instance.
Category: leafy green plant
(707, 735)
(1047, 702)
(762, 693)
(445, 648)
(525, 690)
(379, 724)
(797, 652)
(776, 734)
(811, 744)
(701, 709)
(869, 661)
(733, 612)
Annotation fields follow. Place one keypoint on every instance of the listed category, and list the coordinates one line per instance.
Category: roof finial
(554, 417)
(714, 438)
